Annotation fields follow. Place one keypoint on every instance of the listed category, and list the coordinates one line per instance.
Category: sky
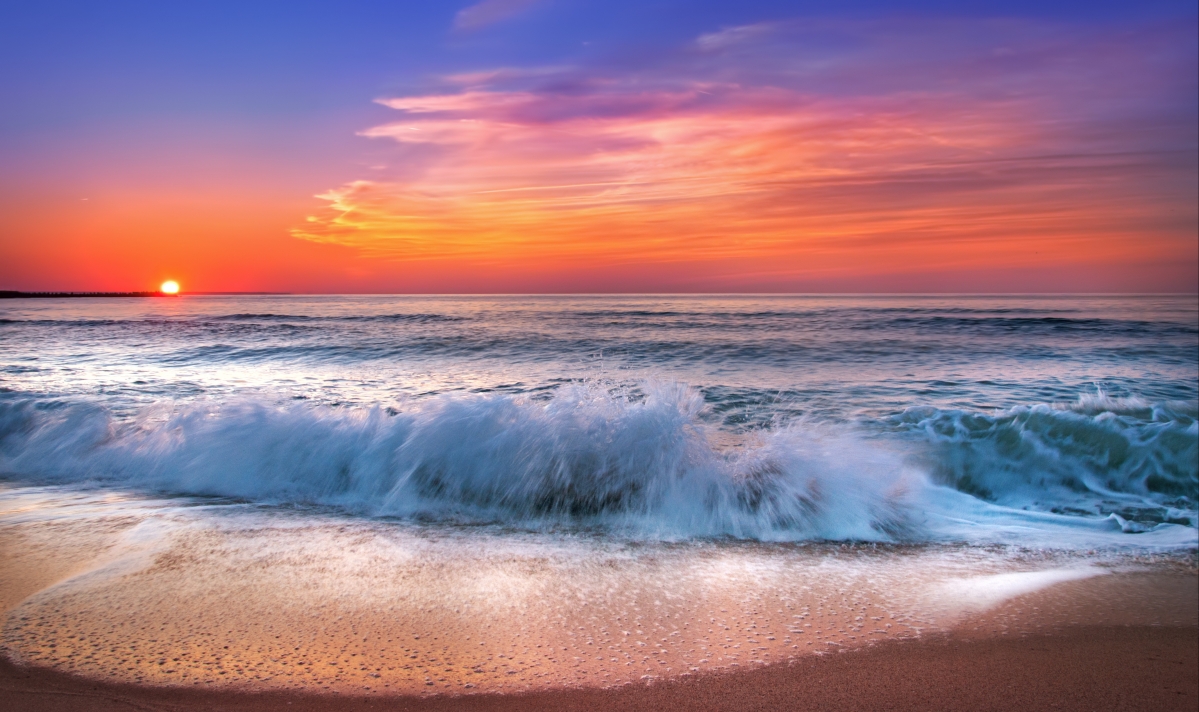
(532, 146)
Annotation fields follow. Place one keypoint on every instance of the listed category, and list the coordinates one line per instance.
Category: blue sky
(275, 98)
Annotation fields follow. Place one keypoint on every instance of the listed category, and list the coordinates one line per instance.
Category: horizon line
(98, 293)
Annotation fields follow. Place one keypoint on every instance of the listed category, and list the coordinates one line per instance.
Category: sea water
(530, 480)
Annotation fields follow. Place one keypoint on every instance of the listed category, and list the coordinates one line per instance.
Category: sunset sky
(586, 146)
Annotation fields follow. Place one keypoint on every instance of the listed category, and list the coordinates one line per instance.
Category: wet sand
(1083, 668)
(1034, 652)
(1125, 640)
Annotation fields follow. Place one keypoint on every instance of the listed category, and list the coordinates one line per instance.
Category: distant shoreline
(61, 295)
(9, 294)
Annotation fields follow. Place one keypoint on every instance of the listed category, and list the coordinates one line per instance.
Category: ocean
(562, 490)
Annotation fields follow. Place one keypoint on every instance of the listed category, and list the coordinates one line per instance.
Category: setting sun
(170, 287)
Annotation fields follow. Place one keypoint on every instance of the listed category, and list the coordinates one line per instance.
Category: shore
(1080, 668)
(1124, 640)
(1036, 652)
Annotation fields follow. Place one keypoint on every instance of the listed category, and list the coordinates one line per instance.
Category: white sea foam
(645, 465)
(982, 592)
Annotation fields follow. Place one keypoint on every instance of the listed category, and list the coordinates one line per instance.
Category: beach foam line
(959, 597)
(238, 596)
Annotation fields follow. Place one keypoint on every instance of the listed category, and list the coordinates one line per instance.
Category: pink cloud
(489, 12)
(731, 36)
(748, 174)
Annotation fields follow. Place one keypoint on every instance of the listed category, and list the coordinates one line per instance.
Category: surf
(644, 462)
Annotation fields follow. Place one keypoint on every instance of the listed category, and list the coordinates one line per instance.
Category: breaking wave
(646, 462)
(1098, 456)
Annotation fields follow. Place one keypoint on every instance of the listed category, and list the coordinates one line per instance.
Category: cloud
(489, 12)
(504, 74)
(1051, 152)
(731, 36)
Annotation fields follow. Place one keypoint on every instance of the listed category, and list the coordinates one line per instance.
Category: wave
(989, 325)
(416, 318)
(586, 456)
(1100, 455)
(411, 317)
(641, 461)
(981, 322)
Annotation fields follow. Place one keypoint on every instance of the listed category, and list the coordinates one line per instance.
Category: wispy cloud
(489, 12)
(731, 36)
(1023, 150)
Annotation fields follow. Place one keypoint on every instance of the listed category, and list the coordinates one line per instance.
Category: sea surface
(527, 479)
(768, 418)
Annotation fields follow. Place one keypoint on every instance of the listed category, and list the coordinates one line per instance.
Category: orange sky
(679, 179)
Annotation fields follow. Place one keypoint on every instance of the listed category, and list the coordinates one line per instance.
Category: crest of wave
(1100, 452)
(588, 456)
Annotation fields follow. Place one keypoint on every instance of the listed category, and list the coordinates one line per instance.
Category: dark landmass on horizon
(61, 295)
(10, 294)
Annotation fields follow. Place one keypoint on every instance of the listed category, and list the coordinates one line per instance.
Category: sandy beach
(1128, 640)
(1080, 668)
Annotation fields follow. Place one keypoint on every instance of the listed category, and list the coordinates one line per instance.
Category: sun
(170, 287)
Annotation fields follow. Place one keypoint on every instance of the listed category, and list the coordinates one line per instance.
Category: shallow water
(225, 594)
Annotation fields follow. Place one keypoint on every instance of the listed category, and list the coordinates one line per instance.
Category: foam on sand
(235, 595)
